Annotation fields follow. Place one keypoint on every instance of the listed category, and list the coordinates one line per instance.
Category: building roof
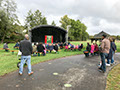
(49, 26)
(99, 35)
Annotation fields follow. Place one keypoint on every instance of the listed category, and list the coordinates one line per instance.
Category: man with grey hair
(26, 49)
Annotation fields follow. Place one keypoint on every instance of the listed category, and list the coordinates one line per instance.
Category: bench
(16, 47)
(7, 49)
(86, 53)
(96, 52)
(1, 49)
(13, 51)
(39, 53)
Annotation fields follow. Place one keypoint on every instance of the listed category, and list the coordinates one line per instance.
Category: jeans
(23, 60)
(103, 57)
(112, 59)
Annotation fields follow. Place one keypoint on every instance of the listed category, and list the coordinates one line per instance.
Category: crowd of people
(73, 47)
(93, 49)
(44, 48)
(106, 50)
(26, 48)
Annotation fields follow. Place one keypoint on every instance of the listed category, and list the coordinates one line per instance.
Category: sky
(97, 15)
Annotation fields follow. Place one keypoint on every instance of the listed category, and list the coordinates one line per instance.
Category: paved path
(80, 72)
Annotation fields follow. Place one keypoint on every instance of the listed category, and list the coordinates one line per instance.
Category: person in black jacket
(80, 47)
(26, 49)
(41, 48)
(56, 48)
(88, 49)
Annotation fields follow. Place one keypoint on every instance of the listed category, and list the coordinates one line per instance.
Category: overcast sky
(97, 15)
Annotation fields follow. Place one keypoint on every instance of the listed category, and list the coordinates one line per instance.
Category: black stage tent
(37, 34)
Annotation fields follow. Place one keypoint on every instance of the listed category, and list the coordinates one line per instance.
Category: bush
(14, 38)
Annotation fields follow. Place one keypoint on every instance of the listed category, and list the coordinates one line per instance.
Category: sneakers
(99, 65)
(20, 74)
(108, 65)
(30, 73)
(101, 71)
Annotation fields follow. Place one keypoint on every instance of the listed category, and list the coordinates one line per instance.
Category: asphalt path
(78, 72)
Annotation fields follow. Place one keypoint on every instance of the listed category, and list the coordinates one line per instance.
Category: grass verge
(113, 79)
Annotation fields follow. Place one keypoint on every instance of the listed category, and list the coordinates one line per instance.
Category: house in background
(98, 37)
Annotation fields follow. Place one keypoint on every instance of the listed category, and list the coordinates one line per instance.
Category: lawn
(8, 61)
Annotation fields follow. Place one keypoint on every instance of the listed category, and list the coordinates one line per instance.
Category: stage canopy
(38, 34)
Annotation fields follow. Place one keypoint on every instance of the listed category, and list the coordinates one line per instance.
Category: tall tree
(77, 30)
(65, 21)
(35, 19)
(53, 23)
(7, 17)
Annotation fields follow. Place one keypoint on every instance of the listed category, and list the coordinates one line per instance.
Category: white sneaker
(99, 65)
(108, 65)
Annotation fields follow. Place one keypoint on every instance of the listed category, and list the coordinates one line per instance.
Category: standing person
(111, 53)
(105, 47)
(26, 49)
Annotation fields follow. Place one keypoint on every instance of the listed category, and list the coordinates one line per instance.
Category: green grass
(118, 46)
(113, 79)
(8, 61)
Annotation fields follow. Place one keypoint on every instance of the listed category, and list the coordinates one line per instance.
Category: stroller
(19, 58)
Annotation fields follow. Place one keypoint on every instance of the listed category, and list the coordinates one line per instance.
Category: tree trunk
(3, 38)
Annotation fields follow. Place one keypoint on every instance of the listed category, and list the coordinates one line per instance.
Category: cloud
(97, 15)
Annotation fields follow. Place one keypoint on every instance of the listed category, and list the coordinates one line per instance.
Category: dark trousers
(103, 57)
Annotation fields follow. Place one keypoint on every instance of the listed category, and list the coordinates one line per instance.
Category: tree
(53, 23)
(7, 18)
(118, 37)
(35, 19)
(65, 21)
(77, 31)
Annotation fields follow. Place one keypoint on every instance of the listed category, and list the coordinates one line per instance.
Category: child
(92, 49)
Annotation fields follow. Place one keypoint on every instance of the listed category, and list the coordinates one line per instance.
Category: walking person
(26, 49)
(105, 47)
